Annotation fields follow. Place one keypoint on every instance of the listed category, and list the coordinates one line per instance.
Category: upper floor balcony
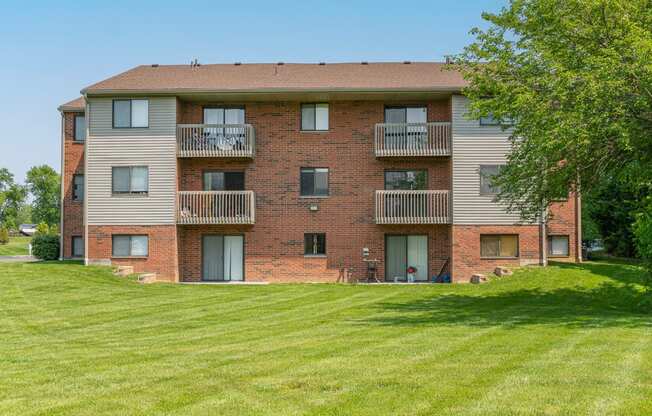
(412, 139)
(216, 140)
(216, 207)
(412, 207)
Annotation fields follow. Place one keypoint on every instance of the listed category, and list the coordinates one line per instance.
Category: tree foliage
(44, 184)
(576, 76)
(12, 200)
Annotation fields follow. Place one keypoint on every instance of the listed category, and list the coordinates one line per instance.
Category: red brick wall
(466, 249)
(162, 258)
(562, 222)
(274, 245)
(73, 163)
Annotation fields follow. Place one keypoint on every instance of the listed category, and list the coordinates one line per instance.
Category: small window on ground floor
(314, 244)
(130, 246)
(558, 245)
(497, 246)
(78, 246)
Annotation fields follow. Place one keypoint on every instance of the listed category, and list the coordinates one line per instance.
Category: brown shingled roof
(78, 104)
(282, 77)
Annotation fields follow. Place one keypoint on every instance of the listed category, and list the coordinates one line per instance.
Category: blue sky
(50, 50)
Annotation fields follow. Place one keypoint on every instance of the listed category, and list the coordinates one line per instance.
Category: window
(130, 113)
(130, 180)
(558, 245)
(406, 115)
(314, 182)
(314, 117)
(77, 187)
(499, 246)
(78, 246)
(490, 120)
(487, 172)
(224, 115)
(130, 246)
(80, 128)
(224, 181)
(314, 244)
(406, 179)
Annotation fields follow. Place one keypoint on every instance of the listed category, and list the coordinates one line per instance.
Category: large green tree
(576, 77)
(12, 200)
(44, 184)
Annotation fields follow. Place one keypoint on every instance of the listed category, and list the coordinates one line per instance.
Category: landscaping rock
(478, 278)
(124, 271)
(502, 271)
(147, 278)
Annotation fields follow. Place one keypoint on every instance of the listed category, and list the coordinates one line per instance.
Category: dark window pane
(307, 182)
(487, 172)
(121, 179)
(406, 180)
(213, 181)
(489, 246)
(77, 246)
(121, 245)
(78, 187)
(80, 128)
(234, 181)
(395, 115)
(121, 113)
(314, 244)
(307, 117)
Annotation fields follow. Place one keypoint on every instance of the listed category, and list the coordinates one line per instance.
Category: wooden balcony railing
(412, 207)
(413, 139)
(215, 140)
(216, 207)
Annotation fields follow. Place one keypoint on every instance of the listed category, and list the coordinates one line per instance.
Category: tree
(576, 78)
(12, 199)
(44, 184)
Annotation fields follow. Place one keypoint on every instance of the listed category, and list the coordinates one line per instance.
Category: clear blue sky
(50, 50)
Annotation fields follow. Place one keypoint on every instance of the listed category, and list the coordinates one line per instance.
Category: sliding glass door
(403, 251)
(223, 258)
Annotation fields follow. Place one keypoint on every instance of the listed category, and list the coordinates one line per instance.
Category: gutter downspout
(543, 239)
(578, 226)
(87, 117)
(61, 180)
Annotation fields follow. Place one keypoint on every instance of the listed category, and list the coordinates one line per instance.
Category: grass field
(567, 340)
(17, 246)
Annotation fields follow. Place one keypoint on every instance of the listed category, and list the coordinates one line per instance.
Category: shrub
(643, 241)
(45, 246)
(43, 229)
(4, 235)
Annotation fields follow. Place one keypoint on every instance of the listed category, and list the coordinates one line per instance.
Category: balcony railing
(215, 140)
(412, 139)
(216, 207)
(412, 207)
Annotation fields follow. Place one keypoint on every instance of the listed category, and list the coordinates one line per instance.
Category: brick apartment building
(292, 173)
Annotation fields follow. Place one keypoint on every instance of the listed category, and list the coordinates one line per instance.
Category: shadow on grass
(614, 302)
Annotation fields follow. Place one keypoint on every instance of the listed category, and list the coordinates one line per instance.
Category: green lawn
(17, 246)
(566, 340)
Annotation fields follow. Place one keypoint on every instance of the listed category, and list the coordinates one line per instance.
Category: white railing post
(215, 140)
(412, 207)
(215, 207)
(412, 139)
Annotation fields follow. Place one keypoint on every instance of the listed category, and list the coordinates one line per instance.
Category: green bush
(42, 229)
(4, 235)
(45, 247)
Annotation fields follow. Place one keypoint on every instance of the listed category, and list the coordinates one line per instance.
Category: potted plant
(411, 271)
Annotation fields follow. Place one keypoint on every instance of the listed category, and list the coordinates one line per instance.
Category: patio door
(403, 251)
(222, 258)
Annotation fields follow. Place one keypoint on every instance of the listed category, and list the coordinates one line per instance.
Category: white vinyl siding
(161, 117)
(474, 146)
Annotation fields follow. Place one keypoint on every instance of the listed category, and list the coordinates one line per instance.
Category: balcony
(412, 207)
(412, 139)
(215, 207)
(216, 140)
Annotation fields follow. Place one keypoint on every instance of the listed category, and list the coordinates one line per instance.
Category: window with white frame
(487, 174)
(80, 128)
(77, 187)
(558, 245)
(130, 180)
(130, 114)
(130, 246)
(314, 117)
